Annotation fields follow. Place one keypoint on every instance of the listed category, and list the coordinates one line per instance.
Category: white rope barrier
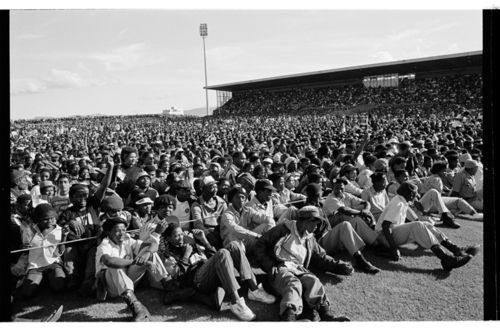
(130, 231)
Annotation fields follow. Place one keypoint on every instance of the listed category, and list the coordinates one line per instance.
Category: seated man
(344, 206)
(207, 210)
(285, 253)
(122, 261)
(395, 231)
(190, 266)
(431, 200)
(456, 205)
(376, 194)
(350, 235)
(464, 185)
(236, 220)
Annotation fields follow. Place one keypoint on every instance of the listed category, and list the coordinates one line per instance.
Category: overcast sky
(79, 62)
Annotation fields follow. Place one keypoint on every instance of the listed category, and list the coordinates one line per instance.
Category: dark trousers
(219, 270)
(55, 276)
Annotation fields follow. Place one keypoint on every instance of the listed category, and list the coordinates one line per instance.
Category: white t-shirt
(44, 256)
(395, 212)
(182, 212)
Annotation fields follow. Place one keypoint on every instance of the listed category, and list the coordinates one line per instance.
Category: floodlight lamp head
(203, 30)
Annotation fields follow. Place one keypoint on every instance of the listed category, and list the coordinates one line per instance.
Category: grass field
(412, 289)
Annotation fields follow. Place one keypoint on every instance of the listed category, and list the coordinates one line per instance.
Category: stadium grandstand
(360, 88)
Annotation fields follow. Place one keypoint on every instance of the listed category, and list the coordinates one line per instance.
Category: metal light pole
(203, 34)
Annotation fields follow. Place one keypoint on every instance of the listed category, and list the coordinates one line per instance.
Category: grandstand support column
(203, 34)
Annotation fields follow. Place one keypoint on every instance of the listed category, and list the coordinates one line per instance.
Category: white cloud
(381, 56)
(128, 57)
(405, 34)
(56, 79)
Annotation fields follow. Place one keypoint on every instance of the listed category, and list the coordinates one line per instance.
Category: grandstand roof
(419, 65)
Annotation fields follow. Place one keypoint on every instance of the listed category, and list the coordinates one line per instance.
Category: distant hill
(200, 111)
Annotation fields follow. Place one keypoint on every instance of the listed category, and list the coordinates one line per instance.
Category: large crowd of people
(194, 205)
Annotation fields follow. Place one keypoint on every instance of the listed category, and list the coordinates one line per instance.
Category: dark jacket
(316, 255)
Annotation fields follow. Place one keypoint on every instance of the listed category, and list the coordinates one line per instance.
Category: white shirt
(127, 250)
(182, 212)
(44, 256)
(364, 179)
(395, 212)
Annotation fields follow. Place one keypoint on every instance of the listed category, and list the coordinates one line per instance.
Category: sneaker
(261, 295)
(241, 310)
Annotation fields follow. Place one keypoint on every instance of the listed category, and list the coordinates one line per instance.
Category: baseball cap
(310, 212)
(263, 184)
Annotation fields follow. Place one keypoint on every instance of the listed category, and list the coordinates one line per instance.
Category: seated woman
(190, 266)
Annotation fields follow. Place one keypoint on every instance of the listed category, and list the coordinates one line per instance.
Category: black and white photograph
(249, 165)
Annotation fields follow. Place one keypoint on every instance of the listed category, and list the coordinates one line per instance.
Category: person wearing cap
(45, 261)
(143, 183)
(266, 163)
(47, 191)
(121, 261)
(464, 185)
(394, 231)
(283, 195)
(285, 253)
(349, 173)
(142, 216)
(236, 222)
(192, 268)
(342, 206)
(262, 201)
(353, 235)
(247, 181)
(83, 221)
(183, 203)
(207, 210)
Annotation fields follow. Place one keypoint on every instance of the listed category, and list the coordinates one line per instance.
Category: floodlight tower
(203, 34)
